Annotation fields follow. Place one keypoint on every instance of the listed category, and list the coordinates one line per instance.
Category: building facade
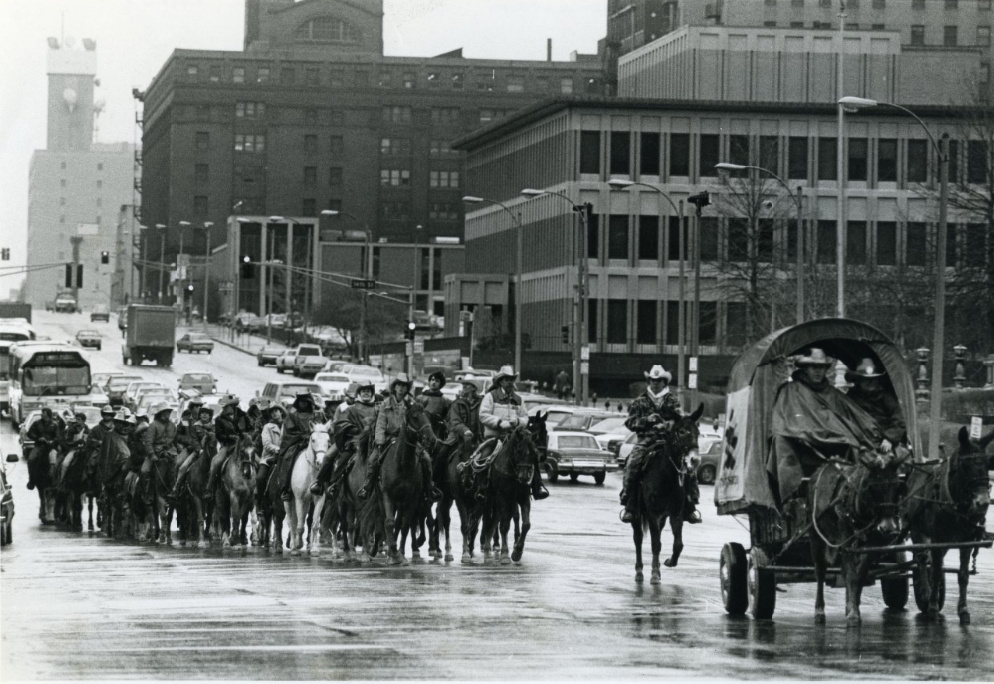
(75, 186)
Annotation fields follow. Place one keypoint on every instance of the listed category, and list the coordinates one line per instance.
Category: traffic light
(68, 275)
(565, 334)
(104, 257)
(248, 268)
(409, 330)
(5, 254)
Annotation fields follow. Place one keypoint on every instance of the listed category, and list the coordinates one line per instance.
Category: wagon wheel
(733, 572)
(762, 586)
(895, 589)
(921, 579)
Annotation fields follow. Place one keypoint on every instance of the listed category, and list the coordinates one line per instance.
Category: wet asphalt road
(80, 606)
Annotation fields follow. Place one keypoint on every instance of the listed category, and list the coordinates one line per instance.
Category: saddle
(481, 461)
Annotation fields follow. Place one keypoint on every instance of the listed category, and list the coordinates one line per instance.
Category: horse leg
(938, 557)
(820, 564)
(444, 516)
(391, 531)
(676, 526)
(315, 543)
(964, 578)
(526, 524)
(505, 528)
(637, 534)
(487, 535)
(656, 539)
(89, 508)
(854, 569)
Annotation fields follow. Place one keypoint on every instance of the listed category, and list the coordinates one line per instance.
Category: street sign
(584, 368)
(358, 284)
(976, 427)
(419, 346)
(692, 381)
(693, 364)
(584, 353)
(409, 348)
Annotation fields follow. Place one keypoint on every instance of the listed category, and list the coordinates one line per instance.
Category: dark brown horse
(194, 512)
(348, 506)
(948, 503)
(112, 466)
(662, 492)
(457, 488)
(43, 463)
(236, 494)
(853, 505)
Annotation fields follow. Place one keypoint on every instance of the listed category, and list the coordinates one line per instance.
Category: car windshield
(577, 442)
(309, 351)
(199, 337)
(330, 377)
(198, 377)
(291, 390)
(609, 425)
(120, 384)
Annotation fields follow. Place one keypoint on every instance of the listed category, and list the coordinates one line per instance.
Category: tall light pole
(938, 340)
(366, 274)
(724, 166)
(162, 259)
(207, 263)
(841, 216)
(580, 336)
(620, 184)
(516, 223)
(414, 291)
(144, 265)
(180, 269)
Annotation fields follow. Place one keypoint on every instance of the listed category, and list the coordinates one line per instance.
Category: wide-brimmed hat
(470, 383)
(505, 372)
(229, 400)
(865, 369)
(360, 386)
(205, 409)
(106, 410)
(401, 379)
(264, 404)
(80, 414)
(160, 407)
(124, 415)
(301, 396)
(657, 372)
(273, 408)
(814, 357)
(195, 401)
(438, 375)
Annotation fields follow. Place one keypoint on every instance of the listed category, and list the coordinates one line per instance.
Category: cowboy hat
(401, 379)
(229, 400)
(106, 410)
(865, 369)
(360, 386)
(814, 357)
(657, 372)
(264, 404)
(205, 409)
(160, 407)
(124, 415)
(438, 375)
(273, 408)
(505, 372)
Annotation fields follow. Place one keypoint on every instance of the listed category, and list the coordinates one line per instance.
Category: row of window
(764, 151)
(401, 147)
(361, 78)
(100, 166)
(882, 243)
(402, 178)
(64, 183)
(882, 4)
(950, 33)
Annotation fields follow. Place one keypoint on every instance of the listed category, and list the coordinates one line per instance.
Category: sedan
(100, 313)
(202, 381)
(610, 433)
(575, 454)
(706, 457)
(284, 362)
(131, 393)
(195, 342)
(267, 356)
(89, 338)
(333, 384)
(117, 386)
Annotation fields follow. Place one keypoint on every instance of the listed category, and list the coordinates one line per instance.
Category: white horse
(305, 471)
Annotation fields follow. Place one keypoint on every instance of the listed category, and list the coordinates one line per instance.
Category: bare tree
(343, 312)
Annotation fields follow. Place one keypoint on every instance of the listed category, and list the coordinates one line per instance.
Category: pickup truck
(65, 302)
(293, 359)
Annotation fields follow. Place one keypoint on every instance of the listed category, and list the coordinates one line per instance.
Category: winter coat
(498, 406)
(160, 438)
(464, 416)
(391, 419)
(644, 406)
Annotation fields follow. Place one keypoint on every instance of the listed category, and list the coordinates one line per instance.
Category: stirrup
(539, 493)
(626, 515)
(317, 489)
(693, 517)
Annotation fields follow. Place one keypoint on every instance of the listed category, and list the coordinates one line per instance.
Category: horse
(305, 470)
(397, 501)
(163, 476)
(458, 489)
(237, 495)
(852, 505)
(112, 464)
(508, 495)
(77, 479)
(948, 504)
(42, 468)
(354, 532)
(193, 511)
(661, 493)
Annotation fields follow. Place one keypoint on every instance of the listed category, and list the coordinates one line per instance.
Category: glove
(523, 422)
(505, 425)
(886, 446)
(467, 436)
(653, 418)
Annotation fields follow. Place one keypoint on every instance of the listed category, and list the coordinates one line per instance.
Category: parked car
(557, 413)
(136, 389)
(195, 342)
(100, 313)
(248, 322)
(267, 356)
(6, 501)
(148, 400)
(304, 351)
(582, 420)
(117, 386)
(89, 339)
(707, 456)
(333, 384)
(201, 381)
(286, 392)
(576, 453)
(610, 432)
(369, 374)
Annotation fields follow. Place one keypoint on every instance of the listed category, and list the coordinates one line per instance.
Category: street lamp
(366, 268)
(207, 261)
(798, 202)
(580, 379)
(516, 222)
(621, 184)
(162, 259)
(180, 268)
(414, 295)
(938, 341)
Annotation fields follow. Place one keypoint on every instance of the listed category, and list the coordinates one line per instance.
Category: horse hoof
(819, 618)
(670, 562)
(964, 617)
(203, 545)
(655, 579)
(182, 542)
(505, 560)
(466, 558)
(853, 621)
(417, 559)
(295, 552)
(516, 556)
(315, 553)
(449, 558)
(638, 576)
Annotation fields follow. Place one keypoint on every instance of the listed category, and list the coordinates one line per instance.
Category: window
(617, 237)
(826, 242)
(764, 241)
(396, 114)
(770, 24)
(738, 149)
(310, 175)
(458, 81)
(975, 251)
(250, 143)
(951, 245)
(384, 80)
(709, 154)
(707, 331)
(250, 110)
(738, 239)
(200, 205)
(649, 157)
(673, 235)
(984, 36)
(878, 27)
(515, 84)
(954, 161)
(542, 84)
(409, 81)
(566, 86)
(446, 115)
(917, 244)
(949, 35)
(797, 158)
(215, 74)
(590, 152)
(886, 243)
(337, 144)
(308, 206)
(952, 4)
(858, 153)
(826, 159)
(620, 154)
(977, 161)
(201, 173)
(444, 211)
(203, 139)
(648, 248)
(825, 25)
(709, 238)
(238, 75)
(917, 161)
(395, 177)
(328, 30)
(673, 322)
(440, 147)
(444, 179)
(395, 211)
(887, 160)
(797, 24)
(645, 312)
(486, 116)
(617, 321)
(262, 75)
(395, 146)
(769, 153)
(593, 236)
(335, 176)
(679, 154)
(192, 72)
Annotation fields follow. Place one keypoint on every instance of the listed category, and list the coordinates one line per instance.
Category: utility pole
(76, 240)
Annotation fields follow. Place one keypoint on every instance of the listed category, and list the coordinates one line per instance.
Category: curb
(232, 346)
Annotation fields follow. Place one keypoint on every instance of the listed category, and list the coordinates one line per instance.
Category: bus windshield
(47, 380)
(10, 335)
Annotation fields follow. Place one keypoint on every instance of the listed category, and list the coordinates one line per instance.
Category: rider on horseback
(463, 422)
(231, 426)
(272, 436)
(501, 411)
(389, 421)
(189, 435)
(656, 407)
(159, 439)
(46, 433)
(296, 434)
(436, 406)
(96, 437)
(74, 441)
(347, 425)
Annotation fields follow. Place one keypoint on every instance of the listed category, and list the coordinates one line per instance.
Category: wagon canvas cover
(742, 478)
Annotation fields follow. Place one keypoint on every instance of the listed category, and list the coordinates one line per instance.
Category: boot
(173, 496)
(539, 491)
(317, 488)
(691, 514)
(432, 492)
(482, 485)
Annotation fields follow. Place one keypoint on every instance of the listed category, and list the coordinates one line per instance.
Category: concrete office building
(575, 147)
(76, 186)
(312, 115)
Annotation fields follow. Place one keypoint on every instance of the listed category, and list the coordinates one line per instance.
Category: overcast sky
(135, 37)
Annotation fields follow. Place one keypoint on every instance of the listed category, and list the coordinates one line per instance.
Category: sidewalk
(243, 342)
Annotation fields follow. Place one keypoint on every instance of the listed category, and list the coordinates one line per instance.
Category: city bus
(11, 332)
(52, 374)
